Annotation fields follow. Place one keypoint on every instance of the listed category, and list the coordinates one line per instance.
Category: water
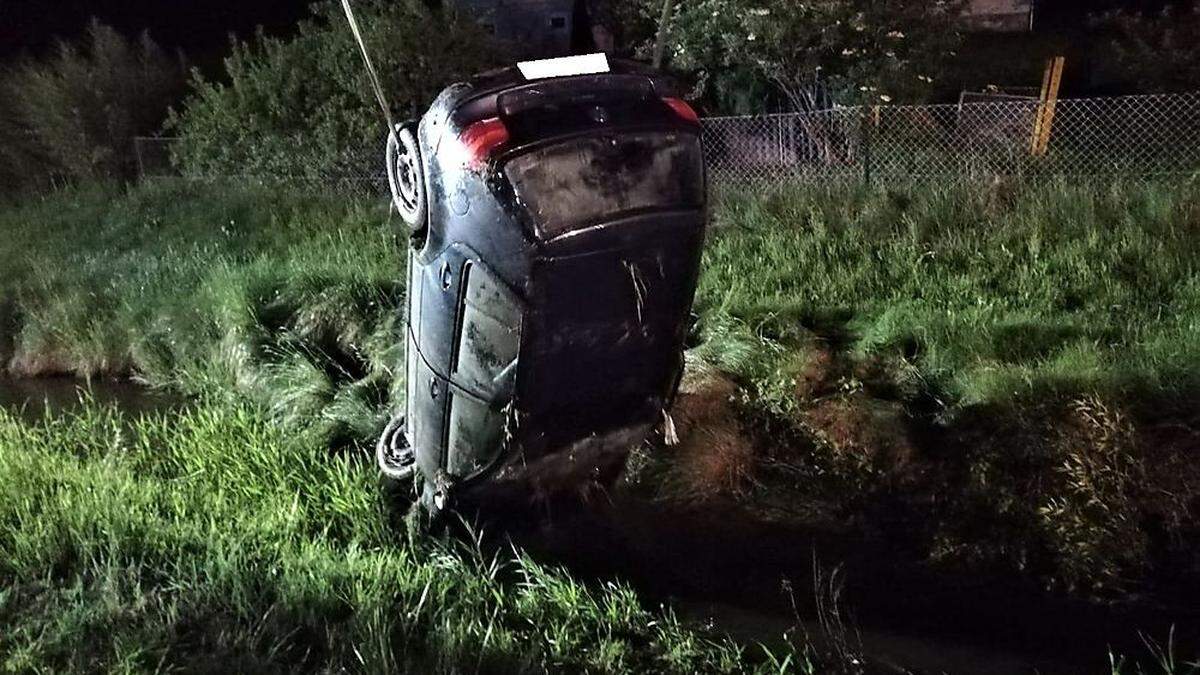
(727, 569)
(32, 397)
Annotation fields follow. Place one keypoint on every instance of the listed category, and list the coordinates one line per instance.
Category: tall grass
(1032, 354)
(984, 293)
(1044, 342)
(287, 297)
(987, 293)
(213, 541)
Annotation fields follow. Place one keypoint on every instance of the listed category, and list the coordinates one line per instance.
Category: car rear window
(593, 179)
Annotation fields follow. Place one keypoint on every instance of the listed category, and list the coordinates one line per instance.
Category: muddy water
(729, 570)
(34, 397)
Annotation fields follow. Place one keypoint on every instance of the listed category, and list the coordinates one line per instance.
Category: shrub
(302, 107)
(1152, 52)
(855, 51)
(21, 165)
(75, 115)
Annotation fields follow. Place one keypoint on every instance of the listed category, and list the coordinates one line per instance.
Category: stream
(727, 570)
(58, 395)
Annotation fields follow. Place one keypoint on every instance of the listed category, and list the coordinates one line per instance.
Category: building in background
(537, 28)
(1006, 16)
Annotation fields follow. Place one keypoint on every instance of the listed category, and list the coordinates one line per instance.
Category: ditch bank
(837, 526)
(763, 579)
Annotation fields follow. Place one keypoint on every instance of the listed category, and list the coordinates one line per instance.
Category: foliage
(857, 50)
(23, 166)
(288, 298)
(211, 540)
(1011, 372)
(1156, 53)
(75, 114)
(294, 107)
(1000, 290)
(1034, 332)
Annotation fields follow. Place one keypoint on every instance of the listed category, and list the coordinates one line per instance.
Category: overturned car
(557, 214)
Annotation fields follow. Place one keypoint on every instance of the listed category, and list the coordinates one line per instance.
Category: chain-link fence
(980, 138)
(1136, 136)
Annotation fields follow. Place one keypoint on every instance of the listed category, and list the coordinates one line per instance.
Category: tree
(1157, 52)
(853, 51)
(76, 114)
(301, 107)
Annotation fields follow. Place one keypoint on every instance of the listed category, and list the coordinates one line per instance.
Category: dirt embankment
(1076, 491)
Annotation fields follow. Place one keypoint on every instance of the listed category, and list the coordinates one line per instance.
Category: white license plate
(566, 66)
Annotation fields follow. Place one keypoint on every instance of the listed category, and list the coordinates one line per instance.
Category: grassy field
(990, 293)
(212, 541)
(1001, 380)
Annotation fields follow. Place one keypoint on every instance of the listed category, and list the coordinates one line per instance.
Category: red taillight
(682, 109)
(480, 139)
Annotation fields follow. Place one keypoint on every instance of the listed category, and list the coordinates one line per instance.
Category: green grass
(286, 297)
(989, 294)
(1044, 341)
(1041, 344)
(212, 541)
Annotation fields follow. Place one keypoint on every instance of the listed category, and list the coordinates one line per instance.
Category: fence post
(1049, 101)
(137, 151)
(865, 124)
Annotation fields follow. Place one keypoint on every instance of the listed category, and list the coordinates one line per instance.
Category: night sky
(199, 27)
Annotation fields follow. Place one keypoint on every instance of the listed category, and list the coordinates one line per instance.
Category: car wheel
(406, 176)
(395, 456)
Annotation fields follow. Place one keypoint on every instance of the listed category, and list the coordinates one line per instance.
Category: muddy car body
(558, 224)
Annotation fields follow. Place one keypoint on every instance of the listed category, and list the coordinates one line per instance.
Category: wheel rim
(406, 181)
(397, 458)
(403, 178)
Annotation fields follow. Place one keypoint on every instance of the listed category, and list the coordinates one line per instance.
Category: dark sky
(199, 27)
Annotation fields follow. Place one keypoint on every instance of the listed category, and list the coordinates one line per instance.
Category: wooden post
(1044, 121)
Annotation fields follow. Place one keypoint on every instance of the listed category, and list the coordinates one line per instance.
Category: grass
(286, 297)
(1012, 374)
(213, 541)
(1003, 378)
(989, 293)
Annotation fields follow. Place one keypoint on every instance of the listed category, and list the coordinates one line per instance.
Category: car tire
(406, 176)
(396, 458)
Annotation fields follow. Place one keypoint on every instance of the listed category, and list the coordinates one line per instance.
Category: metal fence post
(141, 163)
(865, 123)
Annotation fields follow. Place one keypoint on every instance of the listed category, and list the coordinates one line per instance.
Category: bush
(848, 51)
(75, 115)
(303, 107)
(1152, 53)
